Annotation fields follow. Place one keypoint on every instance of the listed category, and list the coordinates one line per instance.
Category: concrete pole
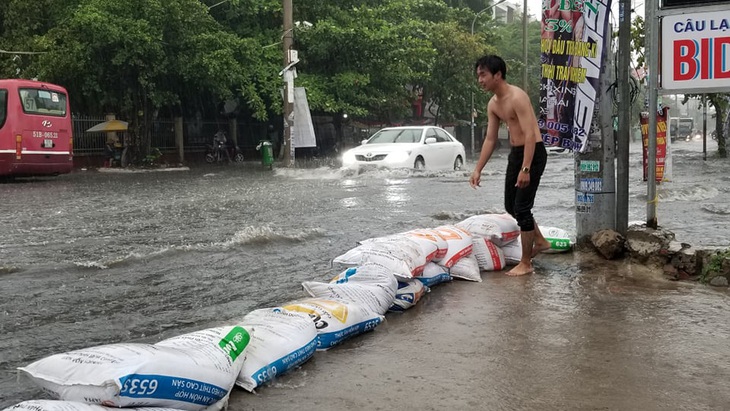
(233, 130)
(624, 117)
(595, 211)
(652, 46)
(179, 140)
(704, 127)
(288, 41)
(524, 45)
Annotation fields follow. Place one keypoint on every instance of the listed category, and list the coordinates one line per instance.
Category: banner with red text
(574, 34)
(663, 152)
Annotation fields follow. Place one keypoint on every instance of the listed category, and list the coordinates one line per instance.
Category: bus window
(3, 107)
(38, 101)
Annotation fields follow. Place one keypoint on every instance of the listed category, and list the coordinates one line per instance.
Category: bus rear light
(70, 147)
(18, 146)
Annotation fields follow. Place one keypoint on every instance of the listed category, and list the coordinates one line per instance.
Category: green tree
(451, 80)
(364, 59)
(140, 56)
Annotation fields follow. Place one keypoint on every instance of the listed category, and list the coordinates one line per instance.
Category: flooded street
(97, 257)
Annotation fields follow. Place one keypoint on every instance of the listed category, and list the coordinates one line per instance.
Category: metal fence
(199, 132)
(87, 143)
(196, 134)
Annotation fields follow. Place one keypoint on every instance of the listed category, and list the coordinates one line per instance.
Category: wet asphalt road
(94, 258)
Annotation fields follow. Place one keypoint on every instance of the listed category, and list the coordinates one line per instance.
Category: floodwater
(99, 257)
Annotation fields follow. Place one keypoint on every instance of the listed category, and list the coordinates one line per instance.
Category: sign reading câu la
(696, 51)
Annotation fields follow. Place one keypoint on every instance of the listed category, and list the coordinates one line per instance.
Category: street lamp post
(472, 112)
(288, 41)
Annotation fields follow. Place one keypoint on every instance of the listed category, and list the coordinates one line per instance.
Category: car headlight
(398, 156)
(348, 158)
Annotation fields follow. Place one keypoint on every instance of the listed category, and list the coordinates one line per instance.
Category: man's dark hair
(492, 63)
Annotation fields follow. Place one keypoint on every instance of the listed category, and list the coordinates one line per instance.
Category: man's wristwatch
(525, 170)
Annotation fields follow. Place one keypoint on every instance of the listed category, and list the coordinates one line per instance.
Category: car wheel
(419, 164)
(458, 163)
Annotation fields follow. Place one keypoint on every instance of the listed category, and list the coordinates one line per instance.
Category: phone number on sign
(45, 134)
(560, 127)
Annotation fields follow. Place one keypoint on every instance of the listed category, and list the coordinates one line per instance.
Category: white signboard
(695, 51)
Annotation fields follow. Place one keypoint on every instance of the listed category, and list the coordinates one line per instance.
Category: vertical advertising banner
(573, 37)
(663, 158)
(302, 132)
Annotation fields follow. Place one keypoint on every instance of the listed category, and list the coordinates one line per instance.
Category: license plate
(47, 143)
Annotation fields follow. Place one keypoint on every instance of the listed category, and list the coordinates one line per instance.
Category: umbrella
(111, 125)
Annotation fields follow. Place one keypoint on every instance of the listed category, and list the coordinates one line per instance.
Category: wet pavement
(582, 334)
(94, 258)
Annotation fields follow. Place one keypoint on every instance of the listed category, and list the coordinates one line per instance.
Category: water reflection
(350, 202)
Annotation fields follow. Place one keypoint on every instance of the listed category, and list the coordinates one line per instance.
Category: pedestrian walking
(527, 158)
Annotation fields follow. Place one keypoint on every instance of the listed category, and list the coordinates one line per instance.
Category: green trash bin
(267, 153)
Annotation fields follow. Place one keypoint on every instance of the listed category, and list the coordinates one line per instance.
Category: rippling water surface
(99, 257)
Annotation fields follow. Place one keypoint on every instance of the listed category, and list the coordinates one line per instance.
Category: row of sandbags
(197, 371)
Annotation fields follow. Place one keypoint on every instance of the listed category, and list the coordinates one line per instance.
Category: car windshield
(400, 135)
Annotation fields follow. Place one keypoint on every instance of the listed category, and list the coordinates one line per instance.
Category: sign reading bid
(696, 51)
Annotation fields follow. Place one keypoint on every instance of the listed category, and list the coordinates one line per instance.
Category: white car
(419, 147)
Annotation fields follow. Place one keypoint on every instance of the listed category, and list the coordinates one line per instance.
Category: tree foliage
(368, 58)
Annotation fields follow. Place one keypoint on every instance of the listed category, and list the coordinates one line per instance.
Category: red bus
(36, 131)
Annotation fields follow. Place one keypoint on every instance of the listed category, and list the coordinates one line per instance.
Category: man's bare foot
(521, 269)
(540, 246)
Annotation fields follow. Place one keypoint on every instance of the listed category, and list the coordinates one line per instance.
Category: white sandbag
(488, 255)
(501, 229)
(190, 372)
(430, 239)
(559, 239)
(459, 242)
(56, 405)
(336, 320)
(409, 293)
(282, 340)
(434, 274)
(370, 285)
(467, 268)
(401, 255)
(512, 252)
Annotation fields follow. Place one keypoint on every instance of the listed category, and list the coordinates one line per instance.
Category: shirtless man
(526, 160)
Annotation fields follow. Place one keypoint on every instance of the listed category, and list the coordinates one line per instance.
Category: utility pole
(704, 127)
(288, 41)
(652, 50)
(624, 117)
(596, 211)
(524, 45)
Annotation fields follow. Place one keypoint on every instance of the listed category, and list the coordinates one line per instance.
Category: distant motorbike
(694, 135)
(221, 150)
